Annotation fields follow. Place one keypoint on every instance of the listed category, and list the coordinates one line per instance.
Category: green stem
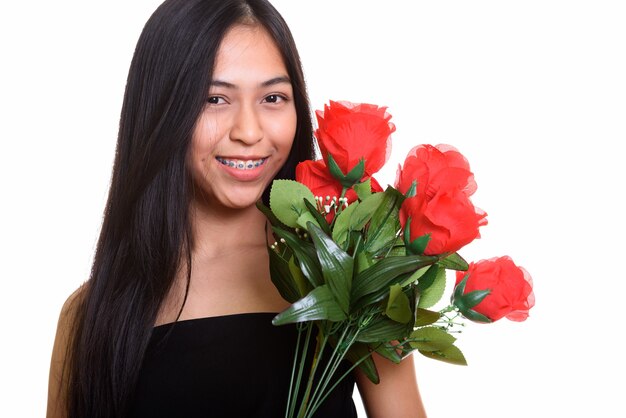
(356, 246)
(339, 204)
(447, 309)
(373, 235)
(319, 349)
(329, 364)
(393, 243)
(343, 376)
(293, 370)
(318, 403)
(294, 396)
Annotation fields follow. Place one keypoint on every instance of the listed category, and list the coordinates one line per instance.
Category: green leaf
(346, 180)
(385, 222)
(454, 262)
(382, 330)
(385, 273)
(363, 213)
(389, 353)
(355, 175)
(471, 299)
(406, 235)
(305, 218)
(433, 294)
(337, 266)
(286, 200)
(341, 225)
(412, 190)
(358, 351)
(475, 316)
(269, 215)
(465, 301)
(415, 276)
(363, 261)
(459, 289)
(319, 304)
(398, 307)
(428, 278)
(305, 254)
(450, 355)
(411, 292)
(334, 168)
(431, 339)
(363, 189)
(355, 236)
(393, 247)
(419, 244)
(303, 286)
(425, 317)
(282, 278)
(321, 219)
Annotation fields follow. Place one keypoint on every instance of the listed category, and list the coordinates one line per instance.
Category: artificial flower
(434, 168)
(326, 189)
(510, 288)
(351, 132)
(354, 284)
(449, 218)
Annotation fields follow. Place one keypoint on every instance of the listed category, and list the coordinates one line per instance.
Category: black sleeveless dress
(227, 366)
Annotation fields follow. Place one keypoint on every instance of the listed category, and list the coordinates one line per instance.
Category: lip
(251, 174)
(243, 157)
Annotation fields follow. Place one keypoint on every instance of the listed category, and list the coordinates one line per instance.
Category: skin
(249, 114)
(56, 389)
(397, 395)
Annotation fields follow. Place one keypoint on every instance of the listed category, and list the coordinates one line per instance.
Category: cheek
(204, 139)
(199, 155)
(283, 131)
(195, 161)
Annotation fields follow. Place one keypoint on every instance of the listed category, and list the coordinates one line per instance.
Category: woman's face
(245, 132)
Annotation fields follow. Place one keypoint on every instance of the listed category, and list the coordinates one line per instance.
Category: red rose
(315, 175)
(351, 131)
(511, 288)
(449, 217)
(434, 168)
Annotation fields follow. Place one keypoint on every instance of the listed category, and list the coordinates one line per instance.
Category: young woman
(175, 319)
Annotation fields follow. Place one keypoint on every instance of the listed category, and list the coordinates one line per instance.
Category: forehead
(248, 53)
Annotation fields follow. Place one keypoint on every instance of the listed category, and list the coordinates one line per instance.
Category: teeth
(241, 164)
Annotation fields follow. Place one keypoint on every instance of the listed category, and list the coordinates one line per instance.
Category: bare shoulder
(68, 310)
(56, 387)
(67, 316)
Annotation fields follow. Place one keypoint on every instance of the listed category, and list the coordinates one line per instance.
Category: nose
(246, 125)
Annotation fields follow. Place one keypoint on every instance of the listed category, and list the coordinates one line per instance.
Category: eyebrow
(268, 83)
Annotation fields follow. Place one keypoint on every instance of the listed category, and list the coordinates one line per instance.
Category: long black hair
(146, 234)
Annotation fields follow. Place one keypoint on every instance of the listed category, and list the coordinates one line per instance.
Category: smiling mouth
(241, 164)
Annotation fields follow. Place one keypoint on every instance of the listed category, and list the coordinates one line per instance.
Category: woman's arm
(397, 394)
(57, 388)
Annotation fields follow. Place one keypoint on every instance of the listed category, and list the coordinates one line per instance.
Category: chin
(240, 205)
(242, 202)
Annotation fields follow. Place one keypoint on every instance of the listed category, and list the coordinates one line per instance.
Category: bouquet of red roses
(364, 267)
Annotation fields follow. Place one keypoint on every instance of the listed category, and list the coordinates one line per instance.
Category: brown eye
(274, 98)
(215, 100)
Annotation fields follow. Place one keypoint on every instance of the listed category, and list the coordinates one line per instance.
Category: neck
(218, 232)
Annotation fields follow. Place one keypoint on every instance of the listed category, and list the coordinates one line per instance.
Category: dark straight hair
(146, 234)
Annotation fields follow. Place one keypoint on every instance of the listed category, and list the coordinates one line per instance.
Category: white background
(533, 93)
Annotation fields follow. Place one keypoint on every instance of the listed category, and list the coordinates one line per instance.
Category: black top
(226, 366)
